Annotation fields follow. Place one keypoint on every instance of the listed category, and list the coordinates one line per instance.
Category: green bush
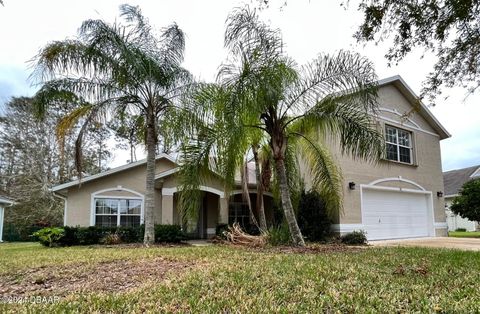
(354, 238)
(461, 230)
(14, 233)
(109, 235)
(70, 236)
(169, 233)
(467, 203)
(49, 236)
(279, 235)
(131, 234)
(312, 217)
(88, 235)
(111, 238)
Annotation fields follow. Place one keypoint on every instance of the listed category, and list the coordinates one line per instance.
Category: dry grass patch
(111, 276)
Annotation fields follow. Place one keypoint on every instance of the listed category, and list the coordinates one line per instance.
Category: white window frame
(398, 145)
(96, 195)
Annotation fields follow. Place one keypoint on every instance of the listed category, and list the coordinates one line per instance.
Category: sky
(309, 27)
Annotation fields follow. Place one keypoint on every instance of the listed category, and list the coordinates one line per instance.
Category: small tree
(262, 93)
(467, 204)
(121, 67)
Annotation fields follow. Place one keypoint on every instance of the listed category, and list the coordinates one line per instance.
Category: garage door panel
(388, 214)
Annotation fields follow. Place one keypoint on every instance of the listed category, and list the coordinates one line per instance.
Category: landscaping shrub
(111, 238)
(107, 235)
(90, 235)
(49, 236)
(354, 238)
(312, 217)
(69, 237)
(23, 233)
(279, 235)
(131, 234)
(169, 233)
(461, 230)
(277, 216)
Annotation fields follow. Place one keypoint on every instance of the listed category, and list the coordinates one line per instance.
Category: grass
(386, 280)
(464, 234)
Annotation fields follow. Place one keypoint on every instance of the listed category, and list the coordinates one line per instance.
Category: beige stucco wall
(427, 171)
(79, 197)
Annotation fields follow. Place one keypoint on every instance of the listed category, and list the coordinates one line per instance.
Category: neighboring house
(454, 181)
(398, 197)
(4, 202)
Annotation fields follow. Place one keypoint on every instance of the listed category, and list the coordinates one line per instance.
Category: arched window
(111, 211)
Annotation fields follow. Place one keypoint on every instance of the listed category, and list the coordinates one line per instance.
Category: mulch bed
(309, 249)
(315, 249)
(139, 245)
(111, 276)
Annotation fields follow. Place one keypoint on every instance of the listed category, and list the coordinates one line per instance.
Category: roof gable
(110, 172)
(415, 101)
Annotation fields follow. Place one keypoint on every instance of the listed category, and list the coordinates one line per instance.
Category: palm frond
(340, 117)
(246, 33)
(328, 76)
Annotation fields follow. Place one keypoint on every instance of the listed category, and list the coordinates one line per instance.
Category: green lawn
(467, 234)
(224, 279)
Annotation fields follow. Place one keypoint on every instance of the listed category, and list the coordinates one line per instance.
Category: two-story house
(399, 197)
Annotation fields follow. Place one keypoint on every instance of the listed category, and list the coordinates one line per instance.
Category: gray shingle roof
(454, 179)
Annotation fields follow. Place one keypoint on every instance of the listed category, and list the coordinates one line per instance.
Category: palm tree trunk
(260, 203)
(149, 236)
(295, 232)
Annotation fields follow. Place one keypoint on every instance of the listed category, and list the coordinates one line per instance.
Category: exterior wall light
(440, 194)
(351, 185)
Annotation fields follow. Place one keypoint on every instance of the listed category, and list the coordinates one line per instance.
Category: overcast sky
(308, 26)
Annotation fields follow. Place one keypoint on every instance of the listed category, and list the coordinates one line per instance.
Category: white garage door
(390, 214)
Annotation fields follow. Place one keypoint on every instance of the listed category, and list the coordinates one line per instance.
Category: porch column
(167, 209)
(223, 210)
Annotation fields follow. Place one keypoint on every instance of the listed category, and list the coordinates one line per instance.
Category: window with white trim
(398, 144)
(111, 212)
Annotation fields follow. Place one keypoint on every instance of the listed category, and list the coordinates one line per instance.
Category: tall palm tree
(118, 68)
(297, 109)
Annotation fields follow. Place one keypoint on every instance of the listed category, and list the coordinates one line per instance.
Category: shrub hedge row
(70, 236)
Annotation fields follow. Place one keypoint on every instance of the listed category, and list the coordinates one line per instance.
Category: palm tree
(118, 68)
(297, 109)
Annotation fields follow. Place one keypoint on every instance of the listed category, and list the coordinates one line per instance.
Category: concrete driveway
(434, 242)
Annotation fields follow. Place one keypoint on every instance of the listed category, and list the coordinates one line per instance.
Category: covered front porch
(212, 211)
(216, 208)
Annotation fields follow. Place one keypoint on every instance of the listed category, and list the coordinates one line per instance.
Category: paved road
(434, 242)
